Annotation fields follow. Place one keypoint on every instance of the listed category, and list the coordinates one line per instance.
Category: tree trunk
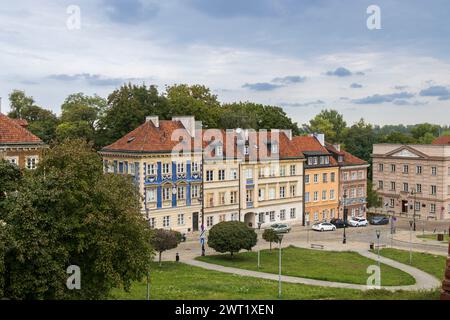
(270, 245)
(160, 258)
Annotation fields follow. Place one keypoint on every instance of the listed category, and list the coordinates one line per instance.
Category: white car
(357, 222)
(323, 226)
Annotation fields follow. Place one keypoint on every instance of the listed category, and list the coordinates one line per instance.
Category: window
(13, 160)
(324, 194)
(272, 215)
(180, 167)
(292, 215)
(221, 197)
(332, 194)
(249, 195)
(209, 221)
(316, 178)
(433, 171)
(166, 168)
(316, 196)
(316, 216)
(271, 193)
(392, 185)
(195, 190)
(233, 196)
(222, 218)
(151, 169)
(292, 170)
(360, 191)
(418, 188)
(306, 196)
(274, 148)
(152, 222)
(31, 162)
(380, 185)
(282, 171)
(261, 172)
(353, 175)
(332, 212)
(325, 178)
(360, 175)
(380, 167)
(307, 179)
(221, 174)
(345, 176)
(405, 168)
(272, 170)
(433, 190)
(234, 217)
(180, 219)
(392, 203)
(352, 192)
(417, 206)
(219, 151)
(282, 192)
(166, 221)
(249, 173)
(210, 200)
(405, 187)
(180, 192)
(419, 170)
(293, 191)
(166, 193)
(233, 174)
(432, 208)
(195, 167)
(282, 214)
(261, 193)
(332, 176)
(261, 217)
(393, 167)
(209, 175)
(151, 195)
(246, 150)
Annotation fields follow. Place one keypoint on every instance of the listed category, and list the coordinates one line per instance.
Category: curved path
(424, 281)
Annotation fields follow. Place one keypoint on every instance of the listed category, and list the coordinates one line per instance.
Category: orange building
(321, 178)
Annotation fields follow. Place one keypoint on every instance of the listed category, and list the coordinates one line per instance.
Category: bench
(380, 246)
(317, 246)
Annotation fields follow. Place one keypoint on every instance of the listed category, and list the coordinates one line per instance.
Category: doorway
(195, 221)
(405, 206)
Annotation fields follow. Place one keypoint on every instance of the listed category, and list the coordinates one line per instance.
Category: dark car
(339, 223)
(379, 220)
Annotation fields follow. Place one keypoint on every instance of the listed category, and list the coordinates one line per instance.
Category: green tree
(231, 236)
(163, 240)
(270, 236)
(329, 122)
(359, 140)
(19, 101)
(397, 137)
(420, 130)
(67, 212)
(373, 199)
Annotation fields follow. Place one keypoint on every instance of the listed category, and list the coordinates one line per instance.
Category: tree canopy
(231, 236)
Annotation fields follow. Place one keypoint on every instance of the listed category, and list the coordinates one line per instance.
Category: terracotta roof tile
(443, 140)
(349, 159)
(12, 132)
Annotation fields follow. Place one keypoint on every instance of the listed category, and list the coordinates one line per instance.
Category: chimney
(337, 147)
(287, 132)
(320, 137)
(154, 119)
(188, 122)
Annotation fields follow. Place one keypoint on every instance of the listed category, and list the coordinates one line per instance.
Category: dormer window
(246, 150)
(341, 159)
(219, 151)
(274, 148)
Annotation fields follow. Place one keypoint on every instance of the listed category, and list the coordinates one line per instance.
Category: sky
(303, 56)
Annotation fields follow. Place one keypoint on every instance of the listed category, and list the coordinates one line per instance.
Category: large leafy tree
(231, 236)
(67, 212)
(163, 240)
(127, 108)
(41, 122)
(331, 123)
(79, 117)
(359, 140)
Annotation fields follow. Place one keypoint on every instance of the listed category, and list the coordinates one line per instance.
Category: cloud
(382, 98)
(289, 79)
(305, 104)
(234, 8)
(402, 102)
(262, 86)
(400, 87)
(343, 72)
(129, 11)
(91, 79)
(356, 86)
(435, 91)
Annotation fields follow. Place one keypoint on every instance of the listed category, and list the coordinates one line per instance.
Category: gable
(406, 152)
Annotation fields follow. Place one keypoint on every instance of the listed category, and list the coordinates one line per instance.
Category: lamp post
(280, 238)
(410, 241)
(148, 273)
(344, 239)
(259, 250)
(378, 233)
(413, 193)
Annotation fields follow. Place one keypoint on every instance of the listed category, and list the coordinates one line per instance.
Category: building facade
(188, 177)
(352, 182)
(18, 145)
(413, 179)
(321, 180)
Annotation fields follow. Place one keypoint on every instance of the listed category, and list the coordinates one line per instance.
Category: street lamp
(413, 193)
(344, 239)
(410, 241)
(259, 250)
(280, 238)
(378, 233)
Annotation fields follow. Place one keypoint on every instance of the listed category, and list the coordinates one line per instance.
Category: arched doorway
(249, 219)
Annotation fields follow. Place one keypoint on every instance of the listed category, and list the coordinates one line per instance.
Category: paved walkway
(424, 281)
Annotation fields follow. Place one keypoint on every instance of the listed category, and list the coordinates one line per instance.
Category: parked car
(338, 223)
(280, 228)
(378, 220)
(323, 226)
(357, 222)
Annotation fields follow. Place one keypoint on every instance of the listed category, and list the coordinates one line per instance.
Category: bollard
(177, 257)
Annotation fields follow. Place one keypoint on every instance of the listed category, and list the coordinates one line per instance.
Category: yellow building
(321, 180)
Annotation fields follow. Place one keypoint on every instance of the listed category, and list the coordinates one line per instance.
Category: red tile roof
(310, 144)
(11, 132)
(349, 159)
(442, 140)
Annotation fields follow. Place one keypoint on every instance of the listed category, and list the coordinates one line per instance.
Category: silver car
(280, 228)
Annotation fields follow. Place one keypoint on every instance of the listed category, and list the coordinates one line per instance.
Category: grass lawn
(348, 267)
(178, 281)
(433, 237)
(430, 263)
